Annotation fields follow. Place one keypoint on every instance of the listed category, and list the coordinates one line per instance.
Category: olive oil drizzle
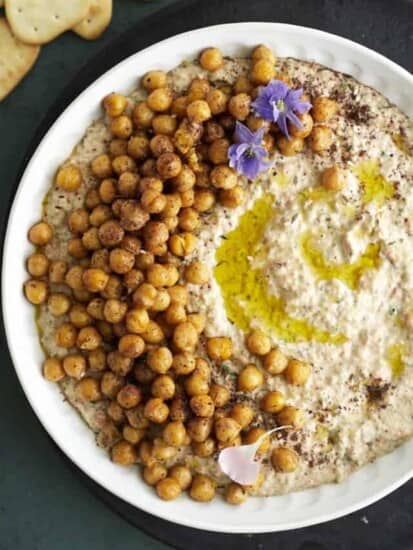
(375, 186)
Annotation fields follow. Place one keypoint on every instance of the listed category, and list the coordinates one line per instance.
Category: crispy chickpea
(273, 402)
(100, 214)
(156, 410)
(243, 414)
(290, 147)
(198, 111)
(58, 304)
(324, 109)
(219, 348)
(161, 144)
(185, 336)
(163, 386)
(174, 433)
(92, 197)
(106, 331)
(118, 363)
(121, 261)
(157, 275)
(179, 106)
(132, 216)
(146, 452)
(168, 489)
(205, 448)
(40, 234)
(231, 198)
(35, 291)
(202, 405)
(129, 396)
(154, 473)
(262, 71)
(88, 389)
(284, 460)
(101, 167)
(226, 429)
(217, 101)
(114, 104)
(90, 239)
(57, 271)
(53, 369)
(128, 184)
(178, 294)
(133, 279)
(110, 384)
(218, 151)
(162, 301)
(78, 220)
(95, 280)
(69, 178)
(220, 395)
(131, 345)
(275, 361)
(202, 488)
(183, 363)
(118, 146)
(198, 320)
(153, 202)
(164, 124)
(154, 79)
(160, 99)
(88, 338)
(235, 493)
(124, 453)
(175, 314)
(321, 139)
(258, 342)
(168, 165)
(307, 126)
(199, 429)
(65, 335)
(291, 416)
(143, 374)
(188, 219)
(142, 115)
(211, 59)
(113, 289)
(79, 316)
(121, 127)
(253, 435)
(111, 233)
(197, 273)
(250, 378)
(145, 295)
(74, 366)
(239, 106)
(297, 372)
(122, 164)
(95, 308)
(223, 177)
(173, 205)
(263, 52)
(137, 320)
(115, 310)
(182, 244)
(198, 89)
(196, 384)
(155, 232)
(181, 474)
(97, 360)
(74, 277)
(333, 179)
(116, 413)
(133, 435)
(185, 180)
(153, 333)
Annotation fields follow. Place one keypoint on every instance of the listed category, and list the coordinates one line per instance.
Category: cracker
(96, 21)
(39, 21)
(1, 3)
(16, 59)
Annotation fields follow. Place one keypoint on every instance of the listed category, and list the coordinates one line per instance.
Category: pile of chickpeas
(131, 341)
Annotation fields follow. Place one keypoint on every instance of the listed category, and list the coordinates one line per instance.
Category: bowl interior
(59, 419)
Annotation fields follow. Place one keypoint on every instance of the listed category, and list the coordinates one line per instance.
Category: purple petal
(249, 166)
(294, 119)
(243, 133)
(282, 123)
(277, 89)
(258, 136)
(263, 108)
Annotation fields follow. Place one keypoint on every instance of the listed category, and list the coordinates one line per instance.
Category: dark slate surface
(43, 501)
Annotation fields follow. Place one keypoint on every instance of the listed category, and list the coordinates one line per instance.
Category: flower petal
(282, 123)
(243, 133)
(238, 466)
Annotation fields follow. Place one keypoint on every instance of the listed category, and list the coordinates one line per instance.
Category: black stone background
(383, 25)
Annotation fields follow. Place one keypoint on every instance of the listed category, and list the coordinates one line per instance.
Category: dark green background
(43, 503)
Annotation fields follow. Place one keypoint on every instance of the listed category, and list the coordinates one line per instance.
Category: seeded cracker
(96, 21)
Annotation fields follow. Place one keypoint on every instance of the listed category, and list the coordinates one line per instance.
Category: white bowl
(59, 419)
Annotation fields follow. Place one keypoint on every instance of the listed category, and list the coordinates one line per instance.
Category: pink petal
(238, 465)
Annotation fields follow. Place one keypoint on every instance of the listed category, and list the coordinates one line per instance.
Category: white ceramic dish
(59, 419)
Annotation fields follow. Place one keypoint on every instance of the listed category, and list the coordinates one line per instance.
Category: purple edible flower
(247, 156)
(278, 103)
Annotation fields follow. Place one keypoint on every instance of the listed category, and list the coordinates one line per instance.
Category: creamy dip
(335, 271)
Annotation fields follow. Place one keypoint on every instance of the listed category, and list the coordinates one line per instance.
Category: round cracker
(96, 21)
(39, 21)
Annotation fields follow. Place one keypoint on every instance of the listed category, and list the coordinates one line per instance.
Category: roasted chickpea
(161, 144)
(160, 99)
(79, 316)
(297, 372)
(162, 301)
(173, 205)
(219, 348)
(65, 335)
(78, 220)
(199, 429)
(250, 378)
(92, 197)
(142, 115)
(218, 151)
(101, 167)
(107, 190)
(121, 261)
(235, 493)
(129, 396)
(223, 177)
(128, 184)
(95, 280)
(198, 89)
(333, 179)
(211, 59)
(179, 106)
(146, 452)
(275, 361)
(324, 109)
(185, 336)
(273, 402)
(239, 106)
(284, 460)
(35, 291)
(205, 448)
(196, 384)
(154, 79)
(88, 338)
(57, 271)
(198, 320)
(40, 234)
(132, 216)
(174, 434)
(163, 386)
(136, 417)
(182, 475)
(97, 360)
(307, 126)
(231, 198)
(168, 165)
(182, 244)
(220, 395)
(217, 101)
(69, 178)
(95, 308)
(258, 342)
(58, 304)
(202, 488)
(164, 124)
(291, 416)
(243, 414)
(100, 214)
(121, 126)
(154, 473)
(290, 147)
(202, 405)
(183, 363)
(253, 435)
(263, 52)
(178, 294)
(226, 429)
(74, 366)
(168, 489)
(124, 453)
(122, 164)
(198, 111)
(114, 310)
(74, 277)
(321, 139)
(76, 249)
(133, 435)
(156, 410)
(175, 314)
(137, 320)
(90, 239)
(88, 389)
(143, 374)
(114, 104)
(110, 384)
(262, 71)
(53, 369)
(153, 333)
(188, 219)
(131, 345)
(118, 146)
(145, 295)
